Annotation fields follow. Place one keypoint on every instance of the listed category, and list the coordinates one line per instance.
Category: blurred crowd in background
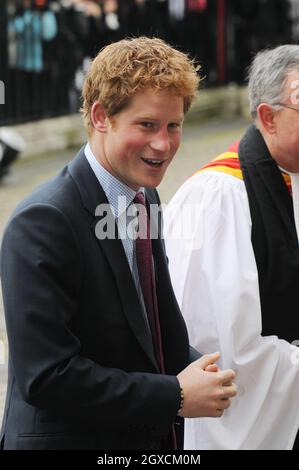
(46, 45)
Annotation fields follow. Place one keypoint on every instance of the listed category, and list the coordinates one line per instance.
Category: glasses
(286, 106)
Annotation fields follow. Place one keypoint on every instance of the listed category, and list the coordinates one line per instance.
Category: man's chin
(152, 184)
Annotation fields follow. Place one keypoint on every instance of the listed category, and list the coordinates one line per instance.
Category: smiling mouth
(153, 163)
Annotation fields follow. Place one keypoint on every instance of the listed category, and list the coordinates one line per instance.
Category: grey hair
(267, 74)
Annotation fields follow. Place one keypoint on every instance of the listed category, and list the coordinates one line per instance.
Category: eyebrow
(144, 118)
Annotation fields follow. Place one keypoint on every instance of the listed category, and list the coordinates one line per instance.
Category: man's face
(142, 139)
(286, 138)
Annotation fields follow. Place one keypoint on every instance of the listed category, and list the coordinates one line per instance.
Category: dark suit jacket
(82, 372)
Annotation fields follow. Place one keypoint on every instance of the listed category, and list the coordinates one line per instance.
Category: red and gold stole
(229, 163)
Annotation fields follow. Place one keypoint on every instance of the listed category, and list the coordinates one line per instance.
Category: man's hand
(207, 390)
(212, 368)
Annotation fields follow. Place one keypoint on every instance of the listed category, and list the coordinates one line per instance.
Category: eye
(147, 124)
(174, 126)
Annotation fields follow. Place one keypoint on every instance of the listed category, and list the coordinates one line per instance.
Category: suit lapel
(115, 255)
(176, 353)
(93, 197)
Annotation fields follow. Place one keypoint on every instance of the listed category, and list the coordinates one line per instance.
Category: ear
(266, 115)
(98, 117)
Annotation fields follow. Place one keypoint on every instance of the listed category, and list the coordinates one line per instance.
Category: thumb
(208, 359)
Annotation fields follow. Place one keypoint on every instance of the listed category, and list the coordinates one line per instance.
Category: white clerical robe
(214, 274)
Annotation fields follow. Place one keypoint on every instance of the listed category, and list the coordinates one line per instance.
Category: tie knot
(139, 198)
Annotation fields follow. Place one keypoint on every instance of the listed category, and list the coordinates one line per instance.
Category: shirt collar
(119, 195)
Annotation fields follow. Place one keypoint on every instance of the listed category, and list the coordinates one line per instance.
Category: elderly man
(235, 267)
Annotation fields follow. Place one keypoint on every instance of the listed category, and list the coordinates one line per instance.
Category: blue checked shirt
(117, 191)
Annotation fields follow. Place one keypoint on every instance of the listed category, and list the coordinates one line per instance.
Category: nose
(161, 141)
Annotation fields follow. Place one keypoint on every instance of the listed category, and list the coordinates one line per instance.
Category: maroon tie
(146, 277)
(147, 280)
